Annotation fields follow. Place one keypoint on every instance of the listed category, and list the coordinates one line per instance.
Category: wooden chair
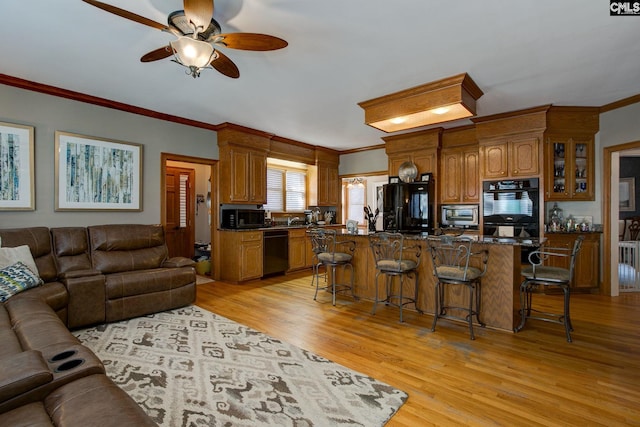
(633, 227)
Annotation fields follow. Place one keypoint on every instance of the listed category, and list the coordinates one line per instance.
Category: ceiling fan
(198, 37)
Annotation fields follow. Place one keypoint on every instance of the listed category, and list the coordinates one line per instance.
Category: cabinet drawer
(298, 232)
(249, 236)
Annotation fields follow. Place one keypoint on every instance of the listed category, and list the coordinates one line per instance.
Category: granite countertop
(493, 240)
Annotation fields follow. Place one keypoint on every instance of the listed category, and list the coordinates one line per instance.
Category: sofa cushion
(36, 325)
(30, 415)
(9, 343)
(9, 256)
(71, 248)
(116, 248)
(94, 400)
(39, 241)
(53, 293)
(16, 278)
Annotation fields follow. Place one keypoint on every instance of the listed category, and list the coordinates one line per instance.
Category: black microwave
(242, 218)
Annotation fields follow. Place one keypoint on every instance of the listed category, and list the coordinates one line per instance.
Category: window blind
(184, 182)
(296, 189)
(275, 185)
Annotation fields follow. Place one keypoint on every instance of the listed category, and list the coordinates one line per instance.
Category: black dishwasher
(275, 257)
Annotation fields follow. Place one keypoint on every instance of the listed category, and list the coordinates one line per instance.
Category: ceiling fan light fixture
(192, 54)
(448, 99)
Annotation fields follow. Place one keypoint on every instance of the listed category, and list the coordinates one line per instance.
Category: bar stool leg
(567, 319)
(438, 303)
(375, 301)
(401, 299)
(524, 298)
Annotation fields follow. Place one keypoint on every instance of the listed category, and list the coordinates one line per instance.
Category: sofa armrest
(177, 262)
(22, 372)
(74, 274)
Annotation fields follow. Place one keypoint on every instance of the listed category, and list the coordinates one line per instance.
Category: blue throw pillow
(15, 279)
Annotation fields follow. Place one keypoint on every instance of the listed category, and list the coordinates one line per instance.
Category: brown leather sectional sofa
(91, 275)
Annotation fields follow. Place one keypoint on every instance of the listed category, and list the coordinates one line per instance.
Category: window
(183, 200)
(354, 199)
(286, 188)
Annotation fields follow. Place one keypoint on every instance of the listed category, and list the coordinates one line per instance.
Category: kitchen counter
(500, 284)
(511, 241)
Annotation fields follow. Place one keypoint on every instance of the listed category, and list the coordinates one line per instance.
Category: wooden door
(180, 212)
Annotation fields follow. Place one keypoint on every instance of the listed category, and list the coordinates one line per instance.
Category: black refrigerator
(409, 207)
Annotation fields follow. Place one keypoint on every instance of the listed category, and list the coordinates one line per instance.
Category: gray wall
(364, 162)
(48, 113)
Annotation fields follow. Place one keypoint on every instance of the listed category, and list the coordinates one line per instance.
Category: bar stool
(451, 267)
(537, 275)
(394, 259)
(324, 244)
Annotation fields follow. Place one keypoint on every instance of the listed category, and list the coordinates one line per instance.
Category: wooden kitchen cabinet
(241, 255)
(460, 177)
(298, 249)
(243, 165)
(569, 168)
(510, 157)
(328, 185)
(247, 175)
(421, 148)
(586, 276)
(569, 153)
(511, 143)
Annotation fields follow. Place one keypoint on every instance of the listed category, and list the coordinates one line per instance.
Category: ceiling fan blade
(126, 14)
(250, 41)
(199, 12)
(154, 55)
(225, 65)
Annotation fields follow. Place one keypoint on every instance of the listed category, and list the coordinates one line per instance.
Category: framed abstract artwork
(627, 191)
(97, 174)
(17, 185)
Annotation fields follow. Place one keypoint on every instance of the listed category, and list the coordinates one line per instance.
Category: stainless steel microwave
(242, 218)
(459, 215)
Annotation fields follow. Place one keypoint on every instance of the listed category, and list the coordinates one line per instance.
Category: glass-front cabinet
(569, 168)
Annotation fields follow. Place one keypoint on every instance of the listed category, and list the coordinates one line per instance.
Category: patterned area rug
(191, 367)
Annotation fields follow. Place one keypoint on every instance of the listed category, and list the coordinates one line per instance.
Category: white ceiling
(521, 53)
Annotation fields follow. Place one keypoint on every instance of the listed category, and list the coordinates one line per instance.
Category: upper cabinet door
(494, 159)
(524, 158)
(471, 182)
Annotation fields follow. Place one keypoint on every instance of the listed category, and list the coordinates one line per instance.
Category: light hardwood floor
(531, 378)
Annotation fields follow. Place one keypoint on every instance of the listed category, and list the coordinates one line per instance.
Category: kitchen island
(500, 284)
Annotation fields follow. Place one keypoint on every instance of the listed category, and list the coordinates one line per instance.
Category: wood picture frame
(627, 193)
(97, 174)
(17, 167)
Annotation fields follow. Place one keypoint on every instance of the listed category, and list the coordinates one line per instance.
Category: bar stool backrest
(451, 256)
(391, 254)
(323, 240)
